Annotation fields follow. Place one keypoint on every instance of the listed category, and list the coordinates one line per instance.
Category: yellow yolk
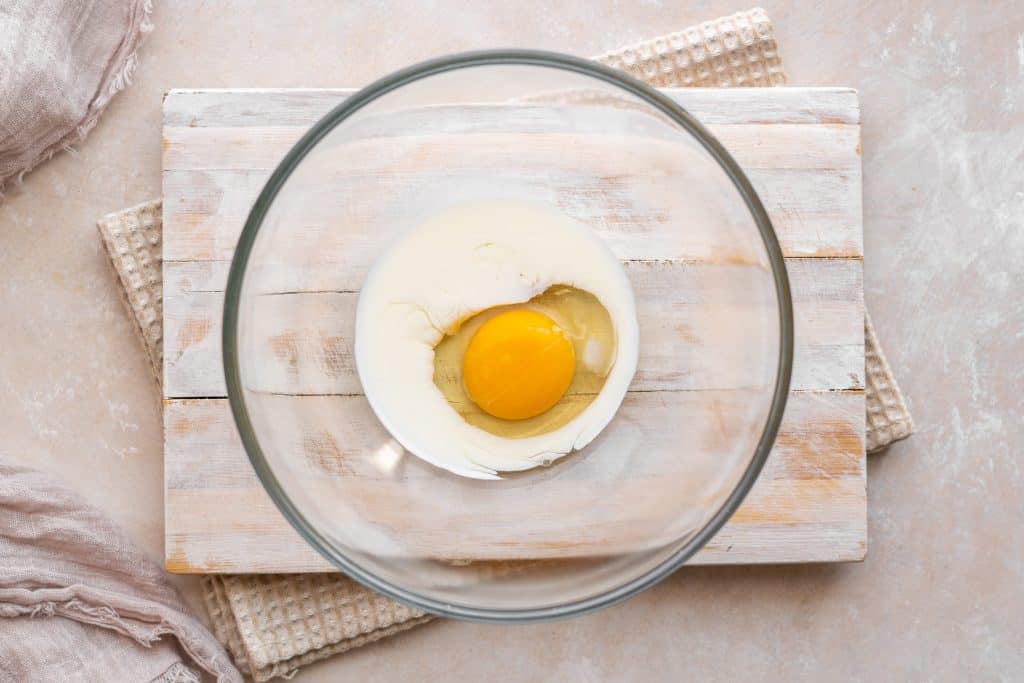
(518, 365)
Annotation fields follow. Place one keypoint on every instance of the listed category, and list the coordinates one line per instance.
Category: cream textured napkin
(888, 419)
(274, 624)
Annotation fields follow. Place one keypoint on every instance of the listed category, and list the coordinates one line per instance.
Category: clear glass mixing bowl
(714, 312)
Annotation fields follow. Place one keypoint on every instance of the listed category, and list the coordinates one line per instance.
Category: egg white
(460, 262)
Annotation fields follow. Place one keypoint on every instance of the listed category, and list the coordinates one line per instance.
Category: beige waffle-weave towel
(133, 241)
(274, 624)
(888, 419)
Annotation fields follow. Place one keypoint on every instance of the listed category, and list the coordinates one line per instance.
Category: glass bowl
(713, 305)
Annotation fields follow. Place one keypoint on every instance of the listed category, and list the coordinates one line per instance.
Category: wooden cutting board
(800, 148)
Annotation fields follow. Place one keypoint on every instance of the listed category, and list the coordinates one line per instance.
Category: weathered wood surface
(800, 148)
(808, 504)
(309, 351)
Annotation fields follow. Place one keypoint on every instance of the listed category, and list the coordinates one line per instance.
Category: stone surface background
(942, 88)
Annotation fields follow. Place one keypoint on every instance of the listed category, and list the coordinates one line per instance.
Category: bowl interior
(688, 438)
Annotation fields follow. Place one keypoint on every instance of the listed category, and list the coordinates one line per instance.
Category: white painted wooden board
(800, 148)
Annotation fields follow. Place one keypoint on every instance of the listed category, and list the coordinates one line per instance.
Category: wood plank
(808, 505)
(591, 176)
(688, 341)
(818, 438)
(811, 146)
(291, 107)
(815, 212)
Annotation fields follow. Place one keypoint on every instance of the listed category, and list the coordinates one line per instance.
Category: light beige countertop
(942, 85)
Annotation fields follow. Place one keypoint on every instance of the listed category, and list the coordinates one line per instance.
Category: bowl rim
(432, 67)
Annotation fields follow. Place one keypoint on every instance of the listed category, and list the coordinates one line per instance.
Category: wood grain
(685, 347)
(811, 488)
(192, 108)
(814, 211)
(224, 167)
(800, 148)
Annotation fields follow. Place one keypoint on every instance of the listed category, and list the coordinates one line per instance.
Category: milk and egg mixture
(496, 337)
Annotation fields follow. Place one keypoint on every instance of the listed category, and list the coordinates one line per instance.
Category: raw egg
(518, 364)
(496, 336)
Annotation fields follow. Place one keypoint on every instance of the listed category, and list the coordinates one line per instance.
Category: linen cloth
(77, 601)
(60, 64)
(274, 624)
(80, 603)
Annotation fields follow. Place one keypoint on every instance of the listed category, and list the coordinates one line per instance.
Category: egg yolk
(518, 365)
